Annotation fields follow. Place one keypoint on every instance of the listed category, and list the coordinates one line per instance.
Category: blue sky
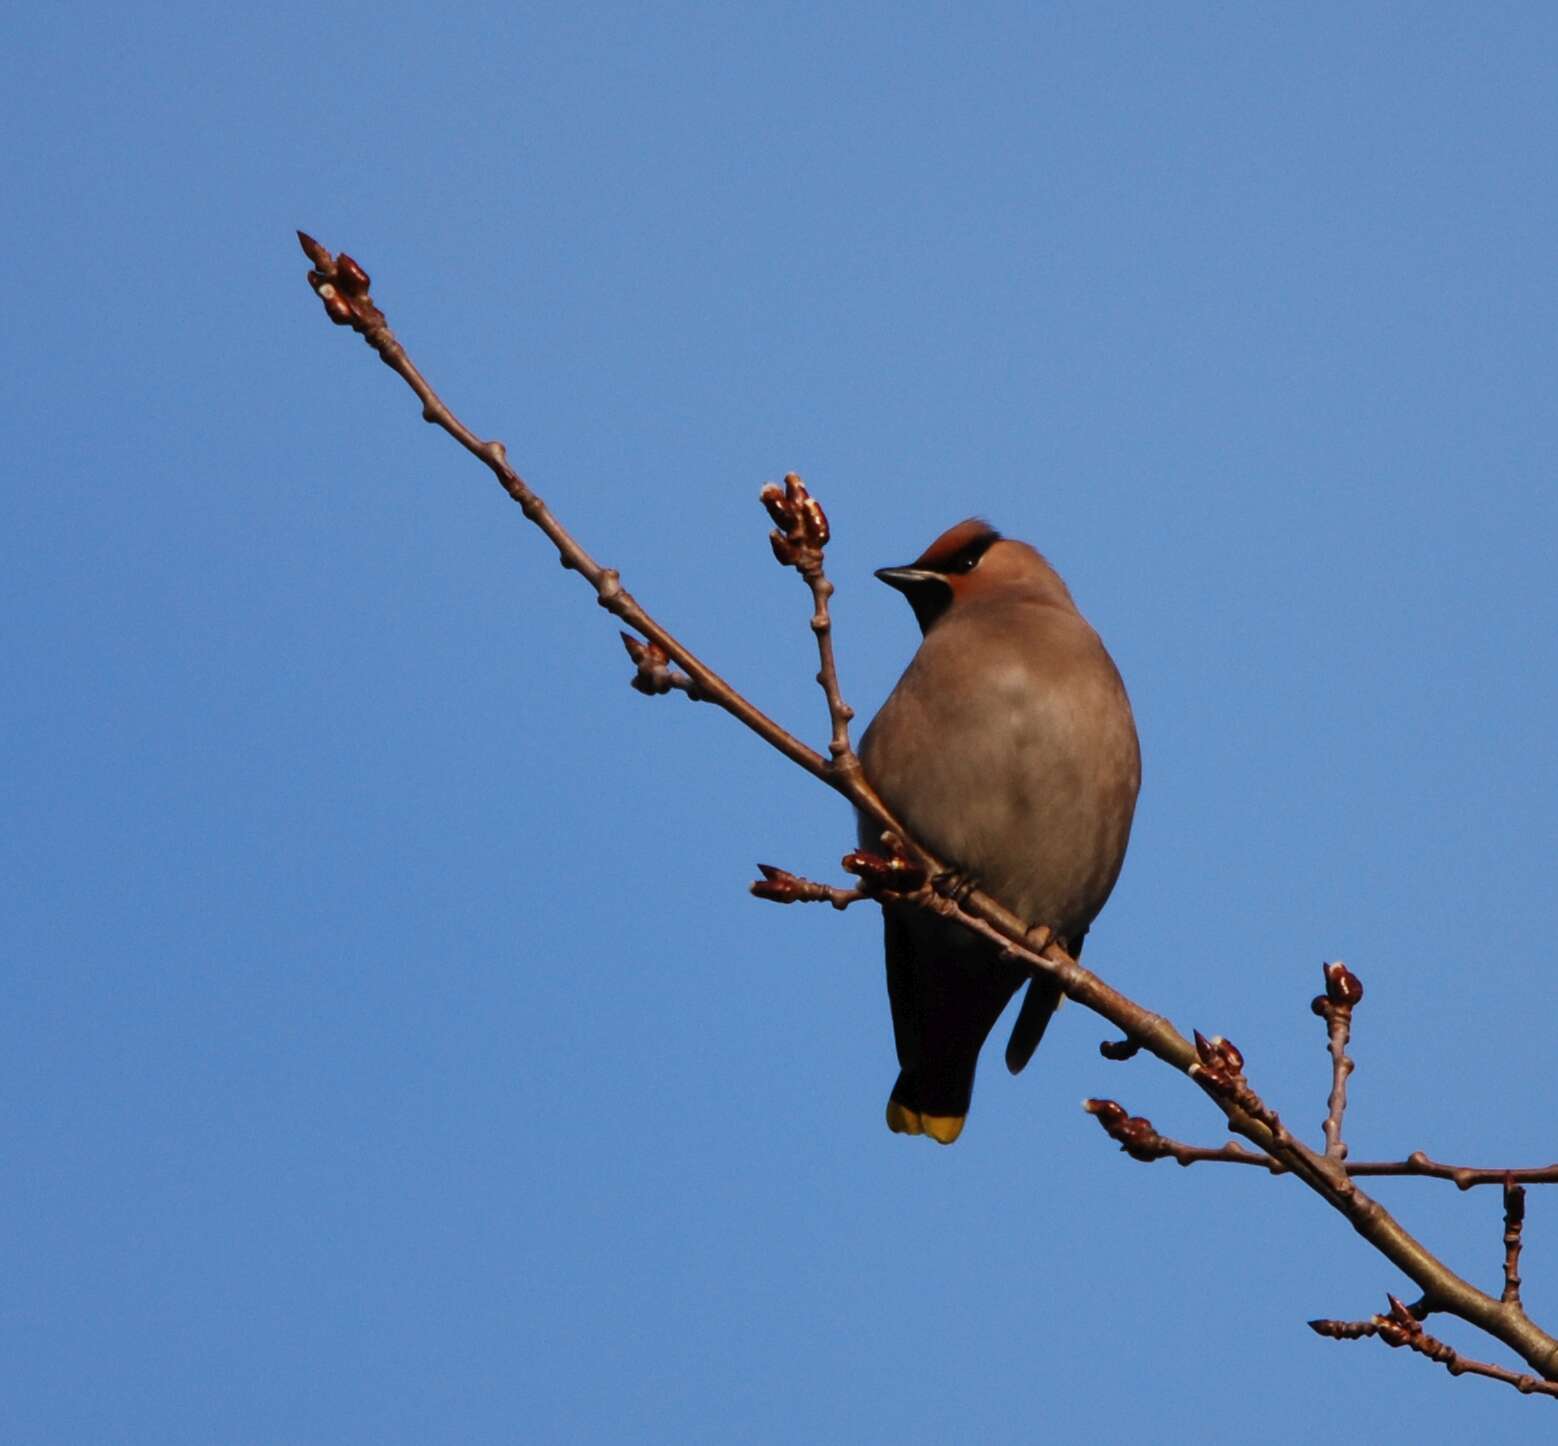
(391, 1051)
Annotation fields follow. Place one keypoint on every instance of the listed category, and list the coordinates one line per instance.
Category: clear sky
(390, 1050)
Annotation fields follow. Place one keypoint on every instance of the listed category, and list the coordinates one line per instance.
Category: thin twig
(1463, 1176)
(1136, 1136)
(1145, 1143)
(1514, 1220)
(780, 886)
(799, 543)
(1335, 1006)
(343, 287)
(839, 712)
(1403, 1327)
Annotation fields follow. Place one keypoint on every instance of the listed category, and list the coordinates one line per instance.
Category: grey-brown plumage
(1008, 749)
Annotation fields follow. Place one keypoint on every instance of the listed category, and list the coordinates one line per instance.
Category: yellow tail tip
(943, 1129)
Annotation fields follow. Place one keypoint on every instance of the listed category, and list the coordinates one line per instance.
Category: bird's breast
(1019, 768)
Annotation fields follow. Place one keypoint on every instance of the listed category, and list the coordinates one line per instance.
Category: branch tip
(1342, 986)
(1220, 1059)
(780, 886)
(802, 524)
(312, 249)
(342, 287)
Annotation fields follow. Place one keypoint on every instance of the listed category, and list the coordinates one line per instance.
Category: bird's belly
(1023, 812)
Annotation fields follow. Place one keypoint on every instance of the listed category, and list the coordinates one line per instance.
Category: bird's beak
(929, 593)
(907, 579)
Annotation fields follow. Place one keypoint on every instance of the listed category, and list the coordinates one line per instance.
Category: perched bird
(1009, 750)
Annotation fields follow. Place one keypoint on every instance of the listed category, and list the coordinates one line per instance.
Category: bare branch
(1403, 1327)
(1140, 1141)
(799, 545)
(923, 880)
(1138, 1138)
(782, 887)
(1464, 1176)
(342, 285)
(1514, 1220)
(1342, 991)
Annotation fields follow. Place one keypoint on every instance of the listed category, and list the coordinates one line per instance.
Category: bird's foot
(956, 885)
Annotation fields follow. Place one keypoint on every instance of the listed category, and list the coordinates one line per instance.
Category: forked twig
(1403, 1326)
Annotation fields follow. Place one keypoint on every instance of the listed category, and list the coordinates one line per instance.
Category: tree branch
(1137, 1137)
(799, 545)
(1514, 1221)
(1403, 1326)
(917, 876)
(1342, 992)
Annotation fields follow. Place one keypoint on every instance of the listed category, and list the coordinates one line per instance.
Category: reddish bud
(1401, 1314)
(1134, 1133)
(811, 520)
(1342, 986)
(895, 874)
(313, 250)
(653, 674)
(802, 524)
(1219, 1054)
(784, 550)
(772, 497)
(778, 885)
(337, 307)
(350, 277)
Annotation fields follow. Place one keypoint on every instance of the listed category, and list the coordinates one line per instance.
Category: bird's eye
(967, 562)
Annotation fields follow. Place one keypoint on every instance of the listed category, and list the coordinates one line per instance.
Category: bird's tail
(942, 1012)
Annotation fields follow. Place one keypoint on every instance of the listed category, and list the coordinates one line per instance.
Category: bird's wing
(1038, 1004)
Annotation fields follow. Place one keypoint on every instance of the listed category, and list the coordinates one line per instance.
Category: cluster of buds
(802, 525)
(890, 874)
(654, 675)
(1134, 1133)
(779, 885)
(1400, 1327)
(1221, 1067)
(342, 285)
(1343, 989)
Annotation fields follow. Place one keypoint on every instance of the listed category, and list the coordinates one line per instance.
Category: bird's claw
(956, 885)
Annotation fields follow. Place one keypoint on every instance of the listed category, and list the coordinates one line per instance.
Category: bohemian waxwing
(1009, 750)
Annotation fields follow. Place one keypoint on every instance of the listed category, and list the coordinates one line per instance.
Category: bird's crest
(959, 548)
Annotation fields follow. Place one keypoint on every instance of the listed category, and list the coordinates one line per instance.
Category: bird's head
(969, 561)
